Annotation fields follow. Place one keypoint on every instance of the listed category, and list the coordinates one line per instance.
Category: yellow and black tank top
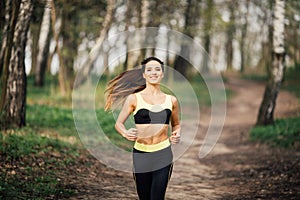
(146, 113)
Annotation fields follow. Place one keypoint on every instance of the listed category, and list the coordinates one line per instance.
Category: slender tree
(7, 27)
(191, 14)
(43, 51)
(244, 36)
(133, 11)
(61, 73)
(35, 29)
(276, 74)
(143, 23)
(208, 20)
(87, 65)
(230, 33)
(13, 97)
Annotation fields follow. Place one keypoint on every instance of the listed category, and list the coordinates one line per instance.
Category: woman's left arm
(175, 122)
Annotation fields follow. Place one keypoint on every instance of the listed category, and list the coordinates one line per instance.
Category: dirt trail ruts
(235, 169)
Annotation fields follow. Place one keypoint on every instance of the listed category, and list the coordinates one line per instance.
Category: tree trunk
(148, 38)
(35, 29)
(127, 22)
(6, 29)
(2, 16)
(61, 72)
(69, 47)
(266, 111)
(44, 44)
(87, 65)
(243, 38)
(205, 67)
(230, 34)
(207, 33)
(14, 91)
(181, 63)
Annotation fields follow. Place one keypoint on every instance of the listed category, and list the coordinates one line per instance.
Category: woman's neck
(152, 89)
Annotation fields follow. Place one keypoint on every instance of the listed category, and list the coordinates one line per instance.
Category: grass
(283, 133)
(29, 167)
(51, 119)
(46, 95)
(32, 157)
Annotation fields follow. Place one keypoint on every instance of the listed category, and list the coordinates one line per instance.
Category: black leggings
(152, 173)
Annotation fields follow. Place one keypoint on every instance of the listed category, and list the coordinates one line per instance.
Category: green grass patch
(29, 165)
(283, 133)
(51, 118)
(49, 94)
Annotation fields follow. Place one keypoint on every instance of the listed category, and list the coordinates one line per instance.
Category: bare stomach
(151, 133)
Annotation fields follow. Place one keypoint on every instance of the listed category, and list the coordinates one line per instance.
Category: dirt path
(235, 169)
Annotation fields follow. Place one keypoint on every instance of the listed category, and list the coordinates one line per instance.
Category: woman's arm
(175, 122)
(127, 109)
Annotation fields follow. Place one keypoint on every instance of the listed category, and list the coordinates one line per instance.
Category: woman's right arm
(127, 109)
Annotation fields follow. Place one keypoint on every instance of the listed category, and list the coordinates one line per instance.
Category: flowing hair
(126, 83)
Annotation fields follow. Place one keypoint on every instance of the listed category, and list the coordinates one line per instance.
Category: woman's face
(153, 72)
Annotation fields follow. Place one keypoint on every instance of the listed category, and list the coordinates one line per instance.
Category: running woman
(154, 112)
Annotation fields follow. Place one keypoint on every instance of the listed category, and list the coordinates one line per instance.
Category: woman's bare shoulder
(131, 99)
(173, 98)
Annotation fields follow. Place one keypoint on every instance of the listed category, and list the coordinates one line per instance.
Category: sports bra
(146, 113)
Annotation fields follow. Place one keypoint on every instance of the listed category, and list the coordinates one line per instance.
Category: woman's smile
(153, 72)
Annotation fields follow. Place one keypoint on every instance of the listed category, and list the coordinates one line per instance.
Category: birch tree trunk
(13, 98)
(266, 111)
(44, 43)
(61, 72)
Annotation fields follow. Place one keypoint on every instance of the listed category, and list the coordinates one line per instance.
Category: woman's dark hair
(127, 83)
(144, 62)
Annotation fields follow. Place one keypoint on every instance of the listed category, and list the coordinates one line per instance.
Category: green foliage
(283, 133)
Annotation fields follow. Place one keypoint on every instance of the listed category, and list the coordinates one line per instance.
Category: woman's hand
(175, 137)
(131, 134)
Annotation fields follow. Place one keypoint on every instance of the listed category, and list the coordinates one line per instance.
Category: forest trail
(235, 169)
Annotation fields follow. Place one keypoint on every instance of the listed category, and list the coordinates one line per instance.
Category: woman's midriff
(151, 133)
